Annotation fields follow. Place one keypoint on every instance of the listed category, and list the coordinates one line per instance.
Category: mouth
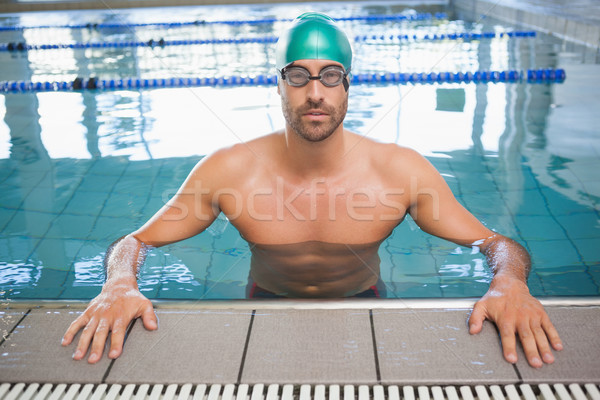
(315, 113)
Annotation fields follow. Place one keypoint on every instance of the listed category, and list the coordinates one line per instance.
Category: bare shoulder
(391, 158)
(239, 160)
(242, 152)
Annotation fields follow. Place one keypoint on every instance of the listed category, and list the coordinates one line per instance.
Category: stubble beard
(315, 131)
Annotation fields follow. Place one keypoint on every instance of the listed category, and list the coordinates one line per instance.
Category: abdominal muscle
(315, 269)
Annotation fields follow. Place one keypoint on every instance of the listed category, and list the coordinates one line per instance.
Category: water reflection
(32, 179)
(84, 168)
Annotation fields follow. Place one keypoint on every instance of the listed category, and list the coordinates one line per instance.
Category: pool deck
(330, 342)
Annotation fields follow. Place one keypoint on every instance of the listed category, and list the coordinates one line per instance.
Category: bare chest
(278, 212)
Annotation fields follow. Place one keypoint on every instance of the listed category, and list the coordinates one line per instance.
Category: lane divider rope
(447, 36)
(102, 25)
(547, 75)
(21, 46)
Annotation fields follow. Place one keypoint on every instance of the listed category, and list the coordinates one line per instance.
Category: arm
(188, 213)
(510, 305)
(508, 302)
(116, 306)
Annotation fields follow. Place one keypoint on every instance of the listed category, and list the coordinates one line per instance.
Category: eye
(332, 76)
(297, 75)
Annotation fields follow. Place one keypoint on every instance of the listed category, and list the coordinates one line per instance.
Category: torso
(315, 237)
(315, 269)
(361, 205)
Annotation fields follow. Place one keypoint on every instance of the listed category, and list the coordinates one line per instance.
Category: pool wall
(7, 6)
(579, 23)
(271, 344)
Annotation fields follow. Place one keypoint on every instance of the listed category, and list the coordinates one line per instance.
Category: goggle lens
(329, 76)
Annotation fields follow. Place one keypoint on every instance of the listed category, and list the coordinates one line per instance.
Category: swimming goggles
(330, 76)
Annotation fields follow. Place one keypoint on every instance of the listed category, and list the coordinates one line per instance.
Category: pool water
(79, 169)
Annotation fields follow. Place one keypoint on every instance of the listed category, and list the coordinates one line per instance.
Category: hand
(111, 311)
(510, 306)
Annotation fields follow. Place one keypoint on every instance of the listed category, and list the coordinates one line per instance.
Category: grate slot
(128, 392)
(452, 393)
(378, 392)
(272, 391)
(592, 391)
(393, 393)
(287, 394)
(334, 392)
(320, 392)
(185, 392)
(43, 392)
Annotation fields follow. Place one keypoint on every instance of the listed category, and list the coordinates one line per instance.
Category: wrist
(121, 282)
(507, 281)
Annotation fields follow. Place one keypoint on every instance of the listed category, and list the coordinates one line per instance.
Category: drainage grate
(35, 391)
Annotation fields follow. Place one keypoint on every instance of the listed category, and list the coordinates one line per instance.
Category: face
(314, 111)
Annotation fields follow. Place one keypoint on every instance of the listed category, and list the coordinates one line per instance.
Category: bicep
(435, 209)
(186, 214)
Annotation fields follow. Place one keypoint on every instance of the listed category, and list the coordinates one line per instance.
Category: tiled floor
(285, 345)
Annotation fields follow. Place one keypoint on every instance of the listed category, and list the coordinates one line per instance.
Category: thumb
(476, 318)
(149, 317)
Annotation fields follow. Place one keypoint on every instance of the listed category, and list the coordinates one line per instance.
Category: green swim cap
(313, 36)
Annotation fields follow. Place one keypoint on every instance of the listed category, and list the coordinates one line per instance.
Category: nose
(315, 90)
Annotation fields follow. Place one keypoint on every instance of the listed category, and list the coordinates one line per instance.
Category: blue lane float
(149, 43)
(466, 36)
(445, 36)
(546, 76)
(169, 25)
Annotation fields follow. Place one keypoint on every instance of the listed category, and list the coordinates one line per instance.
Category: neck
(312, 159)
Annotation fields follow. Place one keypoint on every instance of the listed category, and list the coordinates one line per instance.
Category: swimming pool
(79, 169)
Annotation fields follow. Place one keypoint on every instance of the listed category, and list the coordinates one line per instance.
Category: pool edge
(324, 304)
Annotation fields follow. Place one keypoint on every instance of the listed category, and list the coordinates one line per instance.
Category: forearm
(507, 258)
(118, 303)
(508, 303)
(124, 259)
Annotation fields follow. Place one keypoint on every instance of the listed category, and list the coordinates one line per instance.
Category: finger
(552, 333)
(74, 327)
(149, 317)
(529, 346)
(85, 339)
(99, 341)
(509, 342)
(542, 344)
(117, 338)
(476, 318)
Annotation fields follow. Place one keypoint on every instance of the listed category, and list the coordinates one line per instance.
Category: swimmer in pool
(316, 201)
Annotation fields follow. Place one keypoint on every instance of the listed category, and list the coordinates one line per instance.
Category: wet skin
(315, 182)
(315, 269)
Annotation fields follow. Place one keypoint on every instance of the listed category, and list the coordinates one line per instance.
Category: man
(314, 202)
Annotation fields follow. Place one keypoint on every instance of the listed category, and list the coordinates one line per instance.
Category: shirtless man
(316, 200)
